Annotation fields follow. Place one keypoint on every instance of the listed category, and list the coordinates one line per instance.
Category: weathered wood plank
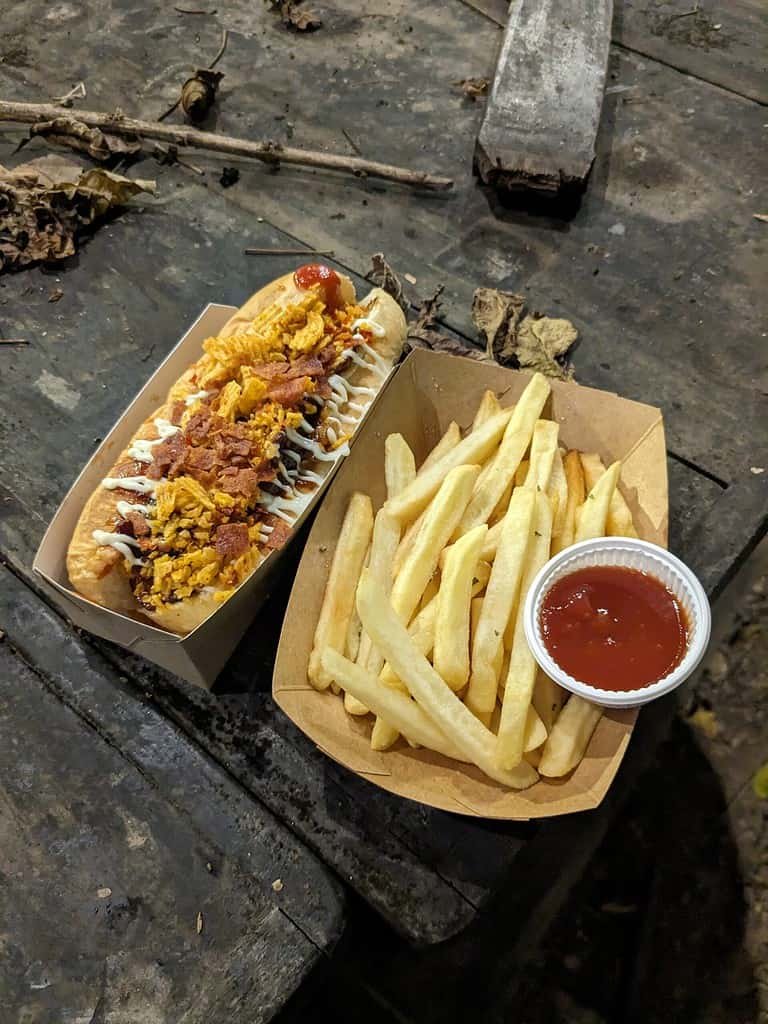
(725, 44)
(543, 110)
(106, 873)
(261, 749)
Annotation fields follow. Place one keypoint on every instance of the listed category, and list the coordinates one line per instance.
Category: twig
(77, 92)
(265, 150)
(13, 341)
(351, 141)
(214, 62)
(483, 8)
(288, 252)
(683, 14)
(186, 10)
(176, 159)
(222, 48)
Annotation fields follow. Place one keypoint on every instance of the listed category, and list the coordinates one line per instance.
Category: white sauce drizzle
(120, 542)
(124, 507)
(314, 447)
(137, 484)
(141, 449)
(330, 433)
(191, 399)
(370, 325)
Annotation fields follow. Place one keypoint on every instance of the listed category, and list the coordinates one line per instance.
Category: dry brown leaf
(46, 204)
(423, 332)
(383, 276)
(56, 294)
(69, 132)
(199, 92)
(296, 18)
(513, 337)
(473, 87)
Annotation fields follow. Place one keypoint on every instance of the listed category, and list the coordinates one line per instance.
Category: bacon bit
(327, 356)
(138, 524)
(200, 463)
(231, 541)
(289, 392)
(323, 389)
(281, 531)
(270, 371)
(177, 411)
(308, 366)
(199, 425)
(168, 458)
(239, 481)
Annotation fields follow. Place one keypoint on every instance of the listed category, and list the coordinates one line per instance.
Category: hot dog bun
(101, 573)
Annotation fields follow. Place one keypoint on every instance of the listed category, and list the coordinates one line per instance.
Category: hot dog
(214, 479)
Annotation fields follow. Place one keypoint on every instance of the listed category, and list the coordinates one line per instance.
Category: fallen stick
(264, 150)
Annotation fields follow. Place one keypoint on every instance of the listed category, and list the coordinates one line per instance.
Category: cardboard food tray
(428, 391)
(200, 655)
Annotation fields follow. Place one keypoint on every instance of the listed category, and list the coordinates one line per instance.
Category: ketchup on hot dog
(318, 274)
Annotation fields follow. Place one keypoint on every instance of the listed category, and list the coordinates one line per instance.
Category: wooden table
(659, 268)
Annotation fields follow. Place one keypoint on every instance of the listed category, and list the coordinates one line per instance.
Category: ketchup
(613, 627)
(328, 280)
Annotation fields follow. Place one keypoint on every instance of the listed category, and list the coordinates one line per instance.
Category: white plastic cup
(631, 554)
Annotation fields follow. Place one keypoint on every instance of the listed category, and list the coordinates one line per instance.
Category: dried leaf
(705, 720)
(297, 19)
(56, 294)
(383, 276)
(199, 92)
(424, 332)
(513, 337)
(45, 206)
(496, 315)
(473, 87)
(760, 782)
(69, 132)
(199, 922)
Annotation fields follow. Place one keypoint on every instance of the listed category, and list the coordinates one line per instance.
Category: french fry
(386, 536)
(422, 629)
(489, 406)
(521, 473)
(548, 698)
(473, 450)
(339, 597)
(522, 665)
(499, 600)
(405, 546)
(533, 757)
(535, 732)
(399, 472)
(451, 651)
(353, 635)
(619, 516)
(500, 510)
(399, 464)
(567, 742)
(442, 705)
(592, 517)
(543, 448)
(516, 438)
(442, 516)
(390, 704)
(574, 477)
(447, 443)
(491, 542)
(430, 590)
(558, 493)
